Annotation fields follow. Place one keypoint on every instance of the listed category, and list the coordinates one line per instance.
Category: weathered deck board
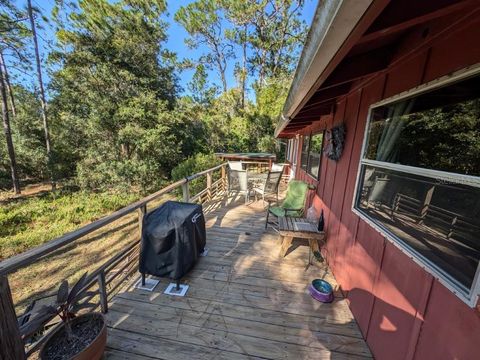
(244, 302)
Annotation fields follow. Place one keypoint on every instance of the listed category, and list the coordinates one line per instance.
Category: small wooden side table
(292, 227)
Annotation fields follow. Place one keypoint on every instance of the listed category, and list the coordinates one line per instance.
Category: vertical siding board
(349, 221)
(400, 78)
(366, 257)
(419, 319)
(451, 330)
(328, 188)
(401, 289)
(406, 76)
(350, 120)
(457, 50)
(448, 328)
(323, 162)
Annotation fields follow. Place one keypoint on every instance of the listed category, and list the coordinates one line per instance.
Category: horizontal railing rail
(109, 276)
(264, 166)
(14, 263)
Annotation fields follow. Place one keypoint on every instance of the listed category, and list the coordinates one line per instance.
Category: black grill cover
(173, 236)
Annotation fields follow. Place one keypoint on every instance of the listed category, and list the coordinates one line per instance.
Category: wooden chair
(294, 203)
(270, 186)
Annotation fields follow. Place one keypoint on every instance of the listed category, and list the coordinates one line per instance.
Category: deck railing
(107, 279)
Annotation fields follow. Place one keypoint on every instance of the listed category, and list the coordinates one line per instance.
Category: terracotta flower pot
(94, 350)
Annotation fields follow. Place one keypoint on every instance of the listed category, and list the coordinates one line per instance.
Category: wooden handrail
(16, 262)
(204, 172)
(206, 191)
(26, 258)
(128, 254)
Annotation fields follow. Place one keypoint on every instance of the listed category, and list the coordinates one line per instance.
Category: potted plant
(80, 336)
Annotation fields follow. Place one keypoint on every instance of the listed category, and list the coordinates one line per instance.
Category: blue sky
(176, 36)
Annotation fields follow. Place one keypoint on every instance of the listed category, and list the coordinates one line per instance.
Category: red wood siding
(350, 120)
(400, 293)
(401, 310)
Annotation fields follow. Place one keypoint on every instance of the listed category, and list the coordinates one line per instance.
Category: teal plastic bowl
(321, 290)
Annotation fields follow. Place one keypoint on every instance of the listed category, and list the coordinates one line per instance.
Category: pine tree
(202, 20)
(12, 35)
(43, 100)
(7, 130)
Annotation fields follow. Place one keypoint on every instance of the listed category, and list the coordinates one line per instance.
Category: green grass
(33, 219)
(29, 222)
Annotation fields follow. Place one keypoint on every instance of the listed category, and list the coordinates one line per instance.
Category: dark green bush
(194, 165)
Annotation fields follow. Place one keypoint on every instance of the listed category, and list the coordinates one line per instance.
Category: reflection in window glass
(291, 151)
(437, 130)
(315, 154)
(304, 159)
(439, 220)
(288, 150)
(294, 151)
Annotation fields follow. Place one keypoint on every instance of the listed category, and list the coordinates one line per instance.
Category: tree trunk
(42, 95)
(262, 67)
(7, 130)
(9, 86)
(244, 64)
(224, 79)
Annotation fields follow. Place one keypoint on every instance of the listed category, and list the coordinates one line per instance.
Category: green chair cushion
(295, 199)
(296, 195)
(279, 211)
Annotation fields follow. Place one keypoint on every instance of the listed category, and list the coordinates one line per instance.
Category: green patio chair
(294, 203)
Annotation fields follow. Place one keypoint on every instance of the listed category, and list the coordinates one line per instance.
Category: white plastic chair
(238, 183)
(235, 165)
(270, 186)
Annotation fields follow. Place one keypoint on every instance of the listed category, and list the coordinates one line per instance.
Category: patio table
(293, 227)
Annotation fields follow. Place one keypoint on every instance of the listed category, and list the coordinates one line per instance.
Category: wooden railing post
(142, 210)
(426, 203)
(102, 287)
(209, 186)
(186, 192)
(11, 344)
(224, 179)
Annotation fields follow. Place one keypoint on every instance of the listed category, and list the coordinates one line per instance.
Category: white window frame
(295, 150)
(312, 134)
(309, 135)
(287, 151)
(292, 150)
(469, 296)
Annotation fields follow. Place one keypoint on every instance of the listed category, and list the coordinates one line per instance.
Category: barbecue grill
(173, 237)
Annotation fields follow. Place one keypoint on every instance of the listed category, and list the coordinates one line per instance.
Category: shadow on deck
(244, 302)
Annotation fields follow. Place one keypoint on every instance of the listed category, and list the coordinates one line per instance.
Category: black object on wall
(335, 142)
(321, 222)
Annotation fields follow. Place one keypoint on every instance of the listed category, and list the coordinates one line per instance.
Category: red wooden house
(402, 201)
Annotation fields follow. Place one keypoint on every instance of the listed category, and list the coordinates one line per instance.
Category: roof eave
(332, 24)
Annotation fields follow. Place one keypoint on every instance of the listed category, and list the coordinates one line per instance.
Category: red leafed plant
(66, 306)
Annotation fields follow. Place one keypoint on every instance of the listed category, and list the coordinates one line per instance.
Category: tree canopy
(117, 115)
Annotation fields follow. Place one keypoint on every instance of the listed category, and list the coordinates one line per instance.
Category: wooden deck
(244, 302)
